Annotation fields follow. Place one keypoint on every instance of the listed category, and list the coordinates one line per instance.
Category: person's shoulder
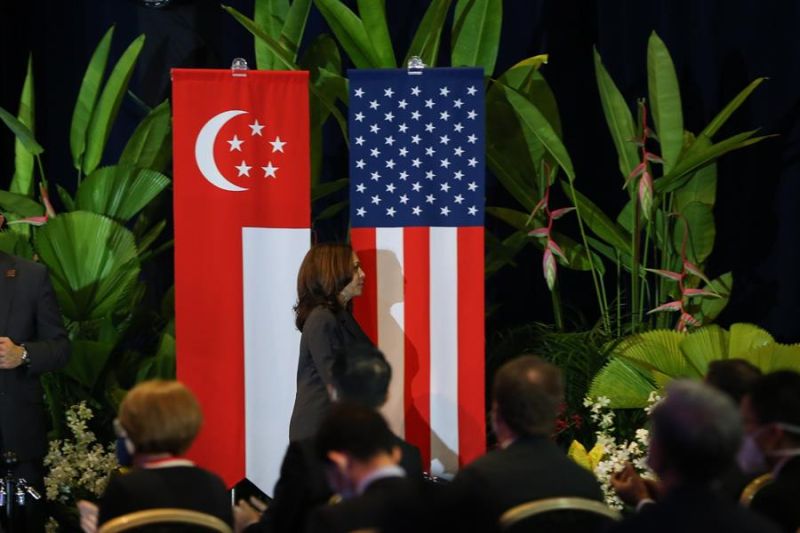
(320, 316)
(27, 265)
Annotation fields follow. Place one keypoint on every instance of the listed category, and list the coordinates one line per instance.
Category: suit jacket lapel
(7, 278)
(349, 323)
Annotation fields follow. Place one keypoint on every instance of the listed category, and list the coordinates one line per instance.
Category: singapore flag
(242, 219)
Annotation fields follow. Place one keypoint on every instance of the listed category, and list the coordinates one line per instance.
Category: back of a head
(527, 392)
(697, 429)
(356, 430)
(775, 398)
(734, 377)
(362, 375)
(160, 417)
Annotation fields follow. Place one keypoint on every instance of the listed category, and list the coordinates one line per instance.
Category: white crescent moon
(204, 150)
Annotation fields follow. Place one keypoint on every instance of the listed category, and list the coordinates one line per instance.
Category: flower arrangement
(79, 467)
(610, 454)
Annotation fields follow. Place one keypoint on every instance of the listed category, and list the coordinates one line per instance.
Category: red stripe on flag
(365, 307)
(416, 269)
(471, 350)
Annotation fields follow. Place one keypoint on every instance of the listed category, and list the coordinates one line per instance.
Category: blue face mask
(124, 456)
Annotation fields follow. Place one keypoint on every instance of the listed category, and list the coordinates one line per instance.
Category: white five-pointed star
(360, 164)
(243, 169)
(416, 210)
(361, 211)
(458, 175)
(388, 92)
(429, 175)
(458, 151)
(472, 139)
(415, 91)
(472, 162)
(445, 187)
(471, 114)
(415, 115)
(457, 103)
(376, 199)
(430, 151)
(269, 170)
(403, 151)
(430, 198)
(445, 211)
(375, 176)
(444, 139)
(472, 186)
(388, 117)
(472, 90)
(359, 92)
(415, 139)
(458, 127)
(404, 199)
(360, 116)
(374, 128)
(390, 163)
(416, 162)
(445, 163)
(402, 127)
(403, 175)
(473, 210)
(402, 104)
(361, 187)
(235, 143)
(444, 91)
(359, 140)
(429, 103)
(416, 186)
(255, 128)
(458, 198)
(390, 211)
(374, 152)
(444, 115)
(374, 104)
(389, 140)
(390, 187)
(277, 145)
(429, 127)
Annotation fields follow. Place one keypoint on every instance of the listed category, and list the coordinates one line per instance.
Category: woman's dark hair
(326, 270)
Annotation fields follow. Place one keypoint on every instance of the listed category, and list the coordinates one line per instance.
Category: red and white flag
(416, 210)
(242, 219)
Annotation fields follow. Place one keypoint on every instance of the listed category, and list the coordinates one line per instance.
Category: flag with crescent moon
(242, 219)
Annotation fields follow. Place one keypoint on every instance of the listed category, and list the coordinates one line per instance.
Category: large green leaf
(22, 182)
(20, 204)
(429, 33)
(712, 307)
(108, 104)
(373, 13)
(658, 351)
(722, 117)
(665, 100)
(744, 338)
(501, 253)
(87, 361)
(627, 386)
(700, 234)
(15, 244)
(704, 345)
(119, 191)
(92, 261)
(87, 99)
(532, 119)
(599, 223)
(22, 132)
(270, 16)
(476, 33)
(618, 117)
(329, 187)
(149, 146)
(350, 32)
(274, 45)
(701, 187)
(295, 25)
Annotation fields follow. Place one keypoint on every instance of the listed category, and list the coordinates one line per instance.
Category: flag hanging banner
(242, 219)
(417, 211)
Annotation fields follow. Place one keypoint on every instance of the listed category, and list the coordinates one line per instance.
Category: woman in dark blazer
(329, 278)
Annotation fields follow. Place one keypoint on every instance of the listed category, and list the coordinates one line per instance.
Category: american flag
(417, 210)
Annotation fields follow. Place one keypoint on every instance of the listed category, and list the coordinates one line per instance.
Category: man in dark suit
(771, 416)
(696, 432)
(527, 465)
(362, 459)
(361, 376)
(32, 341)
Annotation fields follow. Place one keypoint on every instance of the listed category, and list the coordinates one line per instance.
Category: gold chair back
(164, 516)
(749, 492)
(528, 509)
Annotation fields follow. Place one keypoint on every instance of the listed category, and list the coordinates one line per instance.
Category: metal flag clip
(239, 67)
(415, 66)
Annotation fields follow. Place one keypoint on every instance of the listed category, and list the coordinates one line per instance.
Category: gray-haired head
(697, 431)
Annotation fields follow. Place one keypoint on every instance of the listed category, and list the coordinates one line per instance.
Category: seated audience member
(158, 420)
(696, 432)
(528, 465)
(734, 377)
(771, 416)
(361, 377)
(362, 457)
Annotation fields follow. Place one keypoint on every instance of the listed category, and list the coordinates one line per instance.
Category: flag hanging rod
(415, 66)
(239, 67)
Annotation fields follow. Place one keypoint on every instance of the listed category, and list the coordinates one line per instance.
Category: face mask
(750, 458)
(124, 452)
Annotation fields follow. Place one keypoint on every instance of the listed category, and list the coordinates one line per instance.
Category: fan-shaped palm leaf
(119, 191)
(745, 338)
(705, 345)
(623, 383)
(657, 350)
(92, 261)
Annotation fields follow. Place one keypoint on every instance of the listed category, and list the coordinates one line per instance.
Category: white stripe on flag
(271, 258)
(444, 348)
(391, 336)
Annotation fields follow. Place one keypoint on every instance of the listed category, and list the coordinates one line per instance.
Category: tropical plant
(96, 246)
(643, 363)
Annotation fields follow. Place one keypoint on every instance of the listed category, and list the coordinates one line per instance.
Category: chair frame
(164, 515)
(752, 488)
(528, 509)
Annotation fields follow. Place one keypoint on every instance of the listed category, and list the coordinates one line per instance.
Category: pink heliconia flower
(677, 276)
(558, 213)
(48, 207)
(556, 249)
(700, 292)
(33, 221)
(539, 232)
(550, 268)
(677, 305)
(646, 194)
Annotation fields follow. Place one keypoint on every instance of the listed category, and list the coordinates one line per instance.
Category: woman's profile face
(356, 285)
